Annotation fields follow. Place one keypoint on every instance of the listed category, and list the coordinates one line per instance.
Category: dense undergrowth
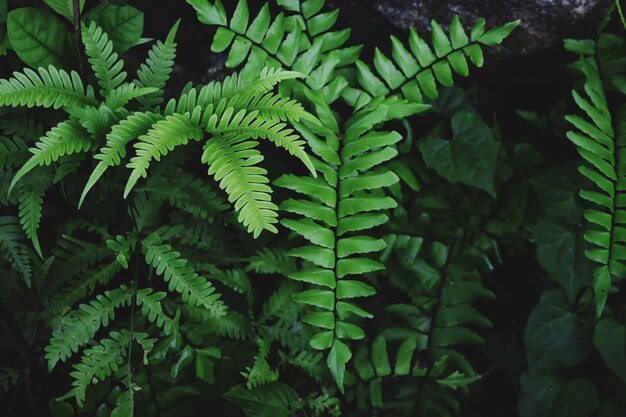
(332, 229)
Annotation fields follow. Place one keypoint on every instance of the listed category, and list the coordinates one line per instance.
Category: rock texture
(544, 22)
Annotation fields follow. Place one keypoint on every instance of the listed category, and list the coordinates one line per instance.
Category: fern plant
(163, 302)
(347, 198)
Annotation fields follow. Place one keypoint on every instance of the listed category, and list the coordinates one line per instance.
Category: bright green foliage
(105, 63)
(417, 74)
(597, 135)
(338, 209)
(30, 207)
(66, 138)
(157, 69)
(163, 292)
(50, 87)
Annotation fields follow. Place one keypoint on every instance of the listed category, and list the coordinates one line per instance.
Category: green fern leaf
(232, 160)
(80, 287)
(13, 152)
(186, 192)
(150, 303)
(79, 326)
(597, 143)
(13, 248)
(157, 69)
(105, 63)
(66, 138)
(164, 135)
(46, 88)
(338, 209)
(30, 208)
(97, 363)
(417, 74)
(115, 148)
(244, 123)
(194, 289)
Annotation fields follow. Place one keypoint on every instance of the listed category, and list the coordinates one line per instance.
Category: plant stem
(78, 37)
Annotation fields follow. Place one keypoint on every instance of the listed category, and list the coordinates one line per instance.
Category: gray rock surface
(544, 22)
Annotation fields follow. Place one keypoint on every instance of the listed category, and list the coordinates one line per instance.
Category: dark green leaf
(555, 335)
(471, 157)
(39, 38)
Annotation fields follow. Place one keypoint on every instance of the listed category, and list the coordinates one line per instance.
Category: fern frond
(105, 63)
(187, 193)
(97, 363)
(74, 256)
(271, 261)
(115, 148)
(260, 373)
(66, 138)
(13, 248)
(162, 137)
(232, 325)
(194, 289)
(279, 303)
(157, 69)
(309, 362)
(337, 210)
(6, 198)
(151, 308)
(45, 88)
(22, 125)
(417, 74)
(81, 325)
(30, 208)
(597, 140)
(301, 41)
(81, 287)
(125, 404)
(13, 152)
(246, 123)
(232, 160)
(233, 87)
(118, 98)
(275, 108)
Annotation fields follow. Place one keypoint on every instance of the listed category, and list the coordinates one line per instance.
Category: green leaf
(610, 340)
(123, 24)
(338, 357)
(239, 21)
(496, 35)
(39, 38)
(471, 157)
(65, 7)
(550, 396)
(555, 336)
(269, 400)
(209, 14)
(561, 251)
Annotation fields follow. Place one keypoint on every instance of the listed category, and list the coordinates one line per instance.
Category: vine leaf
(551, 396)
(554, 337)
(470, 157)
(610, 340)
